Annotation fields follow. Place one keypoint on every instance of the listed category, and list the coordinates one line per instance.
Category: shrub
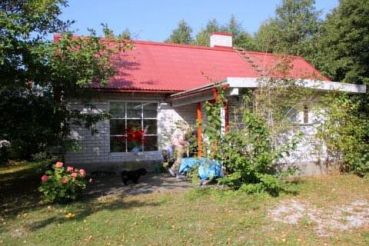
(345, 131)
(62, 184)
(250, 159)
(248, 150)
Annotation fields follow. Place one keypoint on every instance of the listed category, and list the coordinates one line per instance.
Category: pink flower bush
(62, 183)
(44, 178)
(82, 172)
(59, 164)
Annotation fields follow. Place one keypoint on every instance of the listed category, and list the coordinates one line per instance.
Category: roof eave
(253, 82)
(120, 90)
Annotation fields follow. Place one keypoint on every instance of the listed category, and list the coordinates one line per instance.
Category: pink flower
(69, 169)
(82, 172)
(59, 164)
(64, 180)
(74, 175)
(44, 178)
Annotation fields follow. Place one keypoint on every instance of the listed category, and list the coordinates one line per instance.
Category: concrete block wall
(95, 148)
(94, 152)
(168, 119)
(310, 154)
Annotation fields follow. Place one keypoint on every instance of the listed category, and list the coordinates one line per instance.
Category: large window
(133, 127)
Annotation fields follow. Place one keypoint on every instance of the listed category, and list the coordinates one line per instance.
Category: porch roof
(203, 93)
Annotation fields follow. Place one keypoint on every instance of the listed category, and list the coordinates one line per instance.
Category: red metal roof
(162, 67)
(279, 65)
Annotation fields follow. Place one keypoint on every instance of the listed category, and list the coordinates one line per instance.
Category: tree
(126, 34)
(266, 38)
(292, 30)
(182, 34)
(23, 25)
(343, 50)
(39, 75)
(203, 37)
(241, 38)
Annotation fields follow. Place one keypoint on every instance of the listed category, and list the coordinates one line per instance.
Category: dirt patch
(19, 233)
(147, 184)
(326, 220)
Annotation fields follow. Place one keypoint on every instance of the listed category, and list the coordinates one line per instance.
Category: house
(158, 85)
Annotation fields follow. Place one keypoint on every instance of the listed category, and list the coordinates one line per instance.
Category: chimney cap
(222, 33)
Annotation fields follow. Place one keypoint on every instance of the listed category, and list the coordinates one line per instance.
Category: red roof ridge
(190, 46)
(57, 36)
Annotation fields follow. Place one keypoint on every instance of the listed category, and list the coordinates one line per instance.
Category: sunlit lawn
(194, 217)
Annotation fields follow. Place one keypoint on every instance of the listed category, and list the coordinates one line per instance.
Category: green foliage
(126, 34)
(29, 122)
(241, 38)
(345, 132)
(203, 37)
(247, 150)
(73, 63)
(62, 184)
(250, 157)
(267, 36)
(292, 30)
(182, 34)
(22, 26)
(38, 77)
(343, 51)
(213, 130)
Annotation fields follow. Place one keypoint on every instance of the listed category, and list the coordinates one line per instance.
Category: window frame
(304, 117)
(126, 118)
(306, 114)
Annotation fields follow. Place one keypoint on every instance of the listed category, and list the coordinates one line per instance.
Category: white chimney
(221, 39)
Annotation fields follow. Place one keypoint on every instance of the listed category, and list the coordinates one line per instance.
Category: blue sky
(155, 19)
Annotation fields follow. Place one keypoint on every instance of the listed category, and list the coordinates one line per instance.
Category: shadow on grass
(18, 190)
(19, 195)
(81, 210)
(17, 205)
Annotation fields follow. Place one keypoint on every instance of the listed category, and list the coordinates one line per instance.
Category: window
(300, 116)
(293, 115)
(133, 127)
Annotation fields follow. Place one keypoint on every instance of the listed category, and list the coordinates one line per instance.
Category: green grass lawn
(194, 217)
